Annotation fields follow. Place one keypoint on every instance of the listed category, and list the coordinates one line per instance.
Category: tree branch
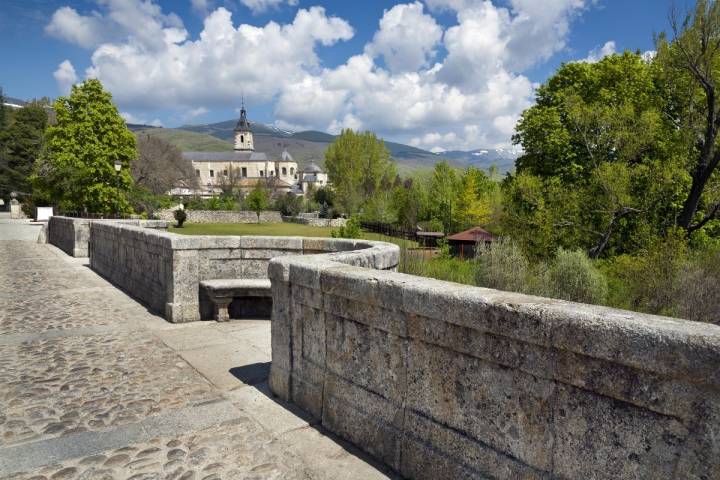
(710, 216)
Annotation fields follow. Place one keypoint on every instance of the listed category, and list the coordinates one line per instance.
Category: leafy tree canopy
(358, 165)
(258, 199)
(603, 168)
(77, 169)
(21, 142)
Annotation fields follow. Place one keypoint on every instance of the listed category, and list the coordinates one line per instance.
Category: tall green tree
(21, 144)
(602, 168)
(444, 196)
(258, 199)
(358, 165)
(77, 169)
(689, 69)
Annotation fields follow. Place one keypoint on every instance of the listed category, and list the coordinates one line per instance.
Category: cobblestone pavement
(93, 386)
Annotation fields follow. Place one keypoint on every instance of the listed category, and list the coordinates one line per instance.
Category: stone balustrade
(72, 235)
(164, 270)
(440, 380)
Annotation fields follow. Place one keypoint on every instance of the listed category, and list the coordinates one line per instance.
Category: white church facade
(243, 168)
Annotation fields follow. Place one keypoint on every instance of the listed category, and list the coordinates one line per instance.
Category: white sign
(43, 214)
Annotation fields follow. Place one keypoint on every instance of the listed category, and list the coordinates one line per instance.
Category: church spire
(242, 124)
(243, 135)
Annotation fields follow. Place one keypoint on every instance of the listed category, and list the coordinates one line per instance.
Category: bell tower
(243, 135)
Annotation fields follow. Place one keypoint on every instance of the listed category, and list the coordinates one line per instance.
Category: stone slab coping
(252, 287)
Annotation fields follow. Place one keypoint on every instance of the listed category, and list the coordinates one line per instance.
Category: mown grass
(272, 229)
(278, 229)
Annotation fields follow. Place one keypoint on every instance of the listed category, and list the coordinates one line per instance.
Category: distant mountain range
(310, 145)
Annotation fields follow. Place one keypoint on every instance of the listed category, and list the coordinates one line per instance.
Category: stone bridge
(434, 380)
(94, 386)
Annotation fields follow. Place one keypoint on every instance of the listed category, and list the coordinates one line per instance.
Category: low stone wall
(221, 216)
(440, 380)
(316, 222)
(164, 270)
(72, 235)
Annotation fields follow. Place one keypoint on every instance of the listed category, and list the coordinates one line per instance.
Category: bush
(649, 282)
(572, 276)
(350, 230)
(502, 265)
(442, 268)
(212, 203)
(697, 287)
(289, 204)
(180, 216)
(325, 211)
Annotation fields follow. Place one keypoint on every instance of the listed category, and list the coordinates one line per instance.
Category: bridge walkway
(93, 386)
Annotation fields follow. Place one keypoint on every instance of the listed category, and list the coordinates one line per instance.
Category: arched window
(292, 171)
(262, 174)
(284, 171)
(242, 139)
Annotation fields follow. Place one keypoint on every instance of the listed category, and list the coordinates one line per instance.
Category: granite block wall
(72, 235)
(221, 216)
(316, 222)
(440, 380)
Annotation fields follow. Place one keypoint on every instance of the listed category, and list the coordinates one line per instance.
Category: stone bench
(222, 292)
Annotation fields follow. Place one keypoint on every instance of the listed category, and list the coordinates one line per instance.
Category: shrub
(289, 204)
(649, 282)
(350, 230)
(697, 287)
(502, 265)
(180, 216)
(442, 268)
(325, 211)
(572, 276)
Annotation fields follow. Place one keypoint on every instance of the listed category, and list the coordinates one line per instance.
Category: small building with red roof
(463, 244)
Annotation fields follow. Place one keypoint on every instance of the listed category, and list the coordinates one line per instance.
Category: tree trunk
(691, 203)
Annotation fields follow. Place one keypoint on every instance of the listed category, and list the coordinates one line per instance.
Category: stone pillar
(16, 209)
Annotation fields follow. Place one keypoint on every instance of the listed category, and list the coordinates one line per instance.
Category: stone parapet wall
(316, 222)
(138, 260)
(72, 235)
(221, 216)
(164, 270)
(440, 380)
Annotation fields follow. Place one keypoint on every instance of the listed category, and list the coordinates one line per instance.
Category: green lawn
(276, 229)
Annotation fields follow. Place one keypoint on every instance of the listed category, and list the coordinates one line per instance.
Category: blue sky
(438, 74)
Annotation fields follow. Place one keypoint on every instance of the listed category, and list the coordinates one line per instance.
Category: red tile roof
(475, 234)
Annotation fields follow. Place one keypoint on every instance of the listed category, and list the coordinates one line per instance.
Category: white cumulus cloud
(65, 76)
(598, 53)
(456, 88)
(67, 24)
(407, 37)
(212, 69)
